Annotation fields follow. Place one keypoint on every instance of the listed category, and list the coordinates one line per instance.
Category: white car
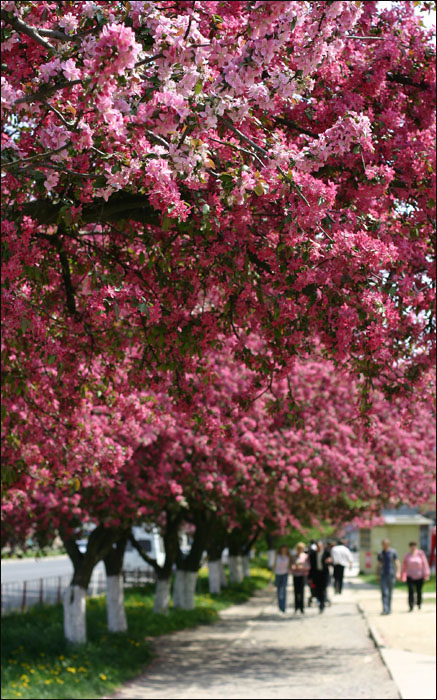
(151, 543)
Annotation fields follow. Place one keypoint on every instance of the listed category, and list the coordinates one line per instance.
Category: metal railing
(21, 595)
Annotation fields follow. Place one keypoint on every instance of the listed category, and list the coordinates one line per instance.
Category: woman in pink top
(415, 570)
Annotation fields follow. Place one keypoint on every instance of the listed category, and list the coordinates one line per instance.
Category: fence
(21, 595)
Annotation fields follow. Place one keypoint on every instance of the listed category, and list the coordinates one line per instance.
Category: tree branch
(405, 80)
(66, 274)
(121, 205)
(23, 28)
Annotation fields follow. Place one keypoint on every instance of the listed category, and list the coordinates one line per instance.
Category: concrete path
(256, 652)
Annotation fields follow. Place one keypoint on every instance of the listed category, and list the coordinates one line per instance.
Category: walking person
(281, 567)
(299, 568)
(319, 560)
(415, 570)
(341, 557)
(388, 568)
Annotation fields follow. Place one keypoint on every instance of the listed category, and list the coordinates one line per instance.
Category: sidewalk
(255, 652)
(406, 641)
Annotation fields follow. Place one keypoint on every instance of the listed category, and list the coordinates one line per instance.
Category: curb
(379, 644)
(373, 632)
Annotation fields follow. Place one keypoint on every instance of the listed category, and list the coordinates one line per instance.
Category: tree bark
(246, 565)
(116, 613)
(74, 602)
(236, 568)
(223, 578)
(214, 576)
(115, 610)
(162, 596)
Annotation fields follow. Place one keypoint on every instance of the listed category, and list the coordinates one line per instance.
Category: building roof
(397, 519)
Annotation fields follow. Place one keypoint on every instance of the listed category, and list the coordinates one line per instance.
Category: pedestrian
(388, 569)
(341, 557)
(415, 570)
(319, 560)
(281, 567)
(299, 568)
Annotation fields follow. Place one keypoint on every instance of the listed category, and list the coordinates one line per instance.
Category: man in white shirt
(341, 557)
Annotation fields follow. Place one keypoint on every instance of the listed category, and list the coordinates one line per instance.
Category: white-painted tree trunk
(270, 557)
(214, 578)
(223, 578)
(178, 588)
(115, 604)
(246, 565)
(74, 601)
(184, 588)
(162, 596)
(236, 569)
(190, 589)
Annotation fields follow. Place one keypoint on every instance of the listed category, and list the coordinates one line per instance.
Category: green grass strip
(38, 663)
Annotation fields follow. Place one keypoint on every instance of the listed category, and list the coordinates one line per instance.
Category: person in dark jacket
(320, 559)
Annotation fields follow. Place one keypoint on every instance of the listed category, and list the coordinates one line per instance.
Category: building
(401, 526)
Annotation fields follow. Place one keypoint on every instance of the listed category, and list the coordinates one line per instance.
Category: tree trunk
(99, 545)
(74, 601)
(115, 611)
(223, 578)
(162, 596)
(184, 589)
(214, 576)
(270, 557)
(178, 589)
(189, 589)
(116, 614)
(246, 565)
(236, 568)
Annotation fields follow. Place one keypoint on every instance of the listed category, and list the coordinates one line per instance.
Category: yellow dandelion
(61, 682)
(71, 669)
(23, 677)
(48, 681)
(42, 653)
(103, 677)
(61, 658)
(81, 669)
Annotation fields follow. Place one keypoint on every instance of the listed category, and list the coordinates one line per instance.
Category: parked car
(151, 543)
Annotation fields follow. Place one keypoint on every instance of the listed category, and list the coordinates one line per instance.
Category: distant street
(45, 578)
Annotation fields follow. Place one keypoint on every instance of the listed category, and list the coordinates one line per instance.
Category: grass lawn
(428, 586)
(38, 663)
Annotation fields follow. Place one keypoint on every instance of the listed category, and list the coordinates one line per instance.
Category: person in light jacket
(281, 567)
(415, 570)
(341, 557)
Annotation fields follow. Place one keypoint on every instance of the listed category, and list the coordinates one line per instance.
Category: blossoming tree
(176, 171)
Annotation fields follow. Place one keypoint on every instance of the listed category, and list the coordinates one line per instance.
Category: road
(45, 578)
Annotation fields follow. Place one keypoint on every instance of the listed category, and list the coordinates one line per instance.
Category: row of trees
(140, 458)
(217, 271)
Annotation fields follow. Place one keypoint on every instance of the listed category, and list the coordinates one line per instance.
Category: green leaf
(258, 189)
(198, 87)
